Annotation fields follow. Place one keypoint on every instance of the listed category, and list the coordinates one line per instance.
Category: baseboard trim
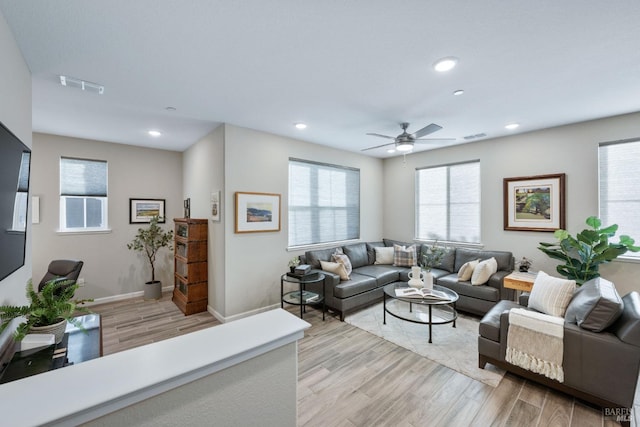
(224, 319)
(121, 297)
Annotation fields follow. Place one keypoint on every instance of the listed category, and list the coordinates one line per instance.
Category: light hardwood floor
(349, 377)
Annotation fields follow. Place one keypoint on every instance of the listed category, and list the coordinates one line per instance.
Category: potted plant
(430, 258)
(47, 312)
(149, 241)
(293, 263)
(583, 254)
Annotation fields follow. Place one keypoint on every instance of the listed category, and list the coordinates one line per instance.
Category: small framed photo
(257, 212)
(142, 210)
(215, 206)
(534, 203)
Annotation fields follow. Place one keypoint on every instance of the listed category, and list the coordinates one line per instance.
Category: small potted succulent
(47, 312)
(293, 263)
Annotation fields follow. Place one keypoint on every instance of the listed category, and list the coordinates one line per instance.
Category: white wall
(203, 173)
(571, 149)
(15, 114)
(254, 161)
(110, 269)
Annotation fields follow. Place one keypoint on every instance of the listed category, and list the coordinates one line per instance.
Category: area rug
(455, 348)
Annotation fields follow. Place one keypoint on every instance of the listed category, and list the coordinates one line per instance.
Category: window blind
(23, 178)
(619, 184)
(324, 203)
(448, 203)
(80, 177)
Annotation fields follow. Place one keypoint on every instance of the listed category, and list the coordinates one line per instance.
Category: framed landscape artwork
(534, 203)
(257, 212)
(142, 210)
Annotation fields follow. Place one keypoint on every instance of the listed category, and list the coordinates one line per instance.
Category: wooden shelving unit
(190, 291)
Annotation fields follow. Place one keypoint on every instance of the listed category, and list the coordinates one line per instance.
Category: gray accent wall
(571, 149)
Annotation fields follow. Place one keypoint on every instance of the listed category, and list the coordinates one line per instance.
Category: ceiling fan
(404, 142)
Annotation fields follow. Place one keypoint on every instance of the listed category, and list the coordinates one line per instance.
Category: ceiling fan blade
(378, 146)
(382, 136)
(427, 130)
(434, 139)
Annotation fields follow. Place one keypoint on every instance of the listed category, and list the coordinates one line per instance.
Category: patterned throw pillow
(404, 256)
(336, 268)
(341, 258)
(551, 295)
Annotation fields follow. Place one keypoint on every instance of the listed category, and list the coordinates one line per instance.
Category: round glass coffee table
(436, 309)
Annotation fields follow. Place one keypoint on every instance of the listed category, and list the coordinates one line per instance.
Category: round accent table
(302, 297)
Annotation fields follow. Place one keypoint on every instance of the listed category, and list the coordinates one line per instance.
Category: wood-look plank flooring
(349, 377)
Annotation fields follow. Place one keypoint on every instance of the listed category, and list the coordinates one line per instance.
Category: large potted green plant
(47, 312)
(149, 241)
(583, 254)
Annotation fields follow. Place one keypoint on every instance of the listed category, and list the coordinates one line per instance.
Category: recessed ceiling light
(445, 64)
(391, 150)
(458, 92)
(154, 133)
(301, 126)
(170, 108)
(512, 126)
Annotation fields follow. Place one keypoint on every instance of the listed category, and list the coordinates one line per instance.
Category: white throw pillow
(384, 255)
(466, 270)
(336, 268)
(483, 271)
(551, 295)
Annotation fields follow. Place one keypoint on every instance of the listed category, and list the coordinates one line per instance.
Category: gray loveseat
(601, 345)
(368, 278)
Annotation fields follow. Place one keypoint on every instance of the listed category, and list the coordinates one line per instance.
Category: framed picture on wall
(257, 212)
(534, 203)
(142, 210)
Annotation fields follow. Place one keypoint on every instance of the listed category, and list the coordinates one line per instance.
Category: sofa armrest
(497, 281)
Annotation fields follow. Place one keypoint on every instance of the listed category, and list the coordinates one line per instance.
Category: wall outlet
(80, 281)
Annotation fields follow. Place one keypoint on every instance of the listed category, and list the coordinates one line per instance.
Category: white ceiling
(344, 67)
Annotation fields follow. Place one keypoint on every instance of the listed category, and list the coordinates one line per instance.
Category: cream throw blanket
(535, 342)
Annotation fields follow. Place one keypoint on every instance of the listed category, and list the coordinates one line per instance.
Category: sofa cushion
(357, 285)
(503, 258)
(627, 327)
(551, 295)
(382, 273)
(335, 267)
(404, 256)
(446, 263)
(490, 323)
(357, 253)
(484, 292)
(371, 253)
(389, 242)
(466, 271)
(340, 257)
(314, 257)
(384, 255)
(483, 271)
(595, 305)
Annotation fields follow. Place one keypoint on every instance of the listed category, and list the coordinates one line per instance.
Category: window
(620, 188)
(324, 203)
(22, 195)
(83, 195)
(448, 203)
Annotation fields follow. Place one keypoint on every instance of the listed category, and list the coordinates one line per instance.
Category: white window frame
(315, 210)
(630, 181)
(446, 237)
(104, 227)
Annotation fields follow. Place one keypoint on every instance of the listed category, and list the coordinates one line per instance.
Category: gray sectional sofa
(368, 278)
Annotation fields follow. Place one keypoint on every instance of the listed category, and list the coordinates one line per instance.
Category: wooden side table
(520, 281)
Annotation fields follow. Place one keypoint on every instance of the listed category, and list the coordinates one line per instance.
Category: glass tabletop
(448, 296)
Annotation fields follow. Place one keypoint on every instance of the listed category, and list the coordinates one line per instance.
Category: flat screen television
(15, 161)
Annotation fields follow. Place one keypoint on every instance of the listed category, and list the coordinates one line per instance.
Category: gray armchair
(61, 270)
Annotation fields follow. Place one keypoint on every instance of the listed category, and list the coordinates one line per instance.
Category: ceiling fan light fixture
(300, 126)
(445, 64)
(512, 126)
(404, 147)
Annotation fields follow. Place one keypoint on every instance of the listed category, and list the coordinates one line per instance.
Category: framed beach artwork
(257, 212)
(142, 210)
(534, 203)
